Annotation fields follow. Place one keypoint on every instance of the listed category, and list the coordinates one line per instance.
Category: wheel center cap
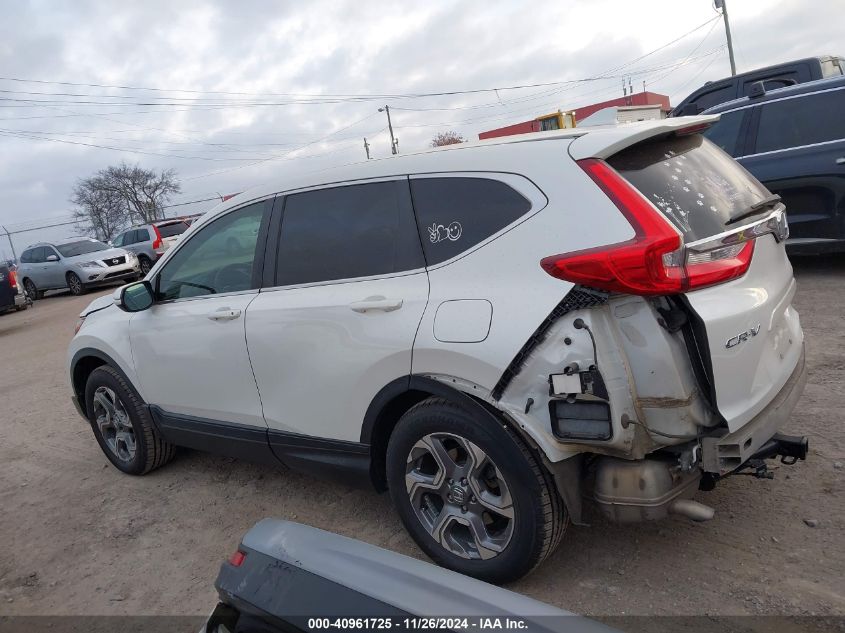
(458, 494)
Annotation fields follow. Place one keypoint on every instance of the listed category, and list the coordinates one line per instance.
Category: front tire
(471, 493)
(74, 283)
(122, 424)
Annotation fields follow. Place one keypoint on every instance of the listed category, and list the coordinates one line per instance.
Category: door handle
(224, 314)
(376, 303)
(840, 161)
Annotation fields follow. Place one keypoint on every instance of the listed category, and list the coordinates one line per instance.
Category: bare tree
(143, 190)
(121, 195)
(98, 211)
(449, 137)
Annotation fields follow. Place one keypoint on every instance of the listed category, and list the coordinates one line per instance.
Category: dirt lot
(78, 537)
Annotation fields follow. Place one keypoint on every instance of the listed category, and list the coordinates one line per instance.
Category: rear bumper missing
(759, 438)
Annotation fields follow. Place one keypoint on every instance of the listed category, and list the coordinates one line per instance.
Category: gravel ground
(81, 538)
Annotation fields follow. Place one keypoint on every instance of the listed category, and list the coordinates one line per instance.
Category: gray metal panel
(408, 584)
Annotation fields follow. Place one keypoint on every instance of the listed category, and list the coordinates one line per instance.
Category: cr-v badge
(743, 336)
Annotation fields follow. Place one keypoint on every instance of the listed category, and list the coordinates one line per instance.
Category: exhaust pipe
(692, 510)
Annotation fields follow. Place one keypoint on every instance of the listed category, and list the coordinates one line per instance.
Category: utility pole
(393, 141)
(9, 236)
(367, 148)
(721, 4)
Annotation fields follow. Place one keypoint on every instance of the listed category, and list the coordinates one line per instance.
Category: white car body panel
(320, 359)
(107, 331)
(751, 372)
(190, 364)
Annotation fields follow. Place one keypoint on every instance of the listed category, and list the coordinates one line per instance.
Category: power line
(312, 98)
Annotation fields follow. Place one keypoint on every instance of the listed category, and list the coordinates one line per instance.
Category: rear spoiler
(605, 142)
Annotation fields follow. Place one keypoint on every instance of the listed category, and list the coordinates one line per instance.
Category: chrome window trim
(774, 223)
(789, 149)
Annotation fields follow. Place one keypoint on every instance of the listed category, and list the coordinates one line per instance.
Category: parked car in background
(150, 241)
(793, 141)
(799, 71)
(490, 331)
(76, 264)
(12, 295)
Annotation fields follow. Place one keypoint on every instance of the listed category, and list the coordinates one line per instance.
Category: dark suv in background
(793, 141)
(773, 77)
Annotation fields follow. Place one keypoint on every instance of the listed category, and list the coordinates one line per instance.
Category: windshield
(82, 247)
(696, 185)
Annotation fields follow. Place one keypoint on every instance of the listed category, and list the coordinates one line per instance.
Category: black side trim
(387, 393)
(576, 299)
(222, 438)
(345, 462)
(348, 462)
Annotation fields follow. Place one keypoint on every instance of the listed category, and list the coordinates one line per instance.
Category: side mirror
(134, 297)
(52, 258)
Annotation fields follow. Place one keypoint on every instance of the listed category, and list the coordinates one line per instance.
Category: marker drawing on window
(438, 232)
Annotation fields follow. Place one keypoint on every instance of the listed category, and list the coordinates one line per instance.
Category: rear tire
(471, 493)
(33, 292)
(122, 424)
(75, 285)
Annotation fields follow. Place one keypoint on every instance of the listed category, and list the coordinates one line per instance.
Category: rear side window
(696, 185)
(26, 257)
(726, 132)
(455, 214)
(801, 121)
(347, 232)
(165, 230)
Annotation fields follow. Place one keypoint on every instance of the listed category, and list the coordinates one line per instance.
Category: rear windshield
(169, 230)
(696, 185)
(82, 247)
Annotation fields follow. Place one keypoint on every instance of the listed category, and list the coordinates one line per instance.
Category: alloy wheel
(31, 290)
(459, 496)
(114, 424)
(146, 265)
(74, 284)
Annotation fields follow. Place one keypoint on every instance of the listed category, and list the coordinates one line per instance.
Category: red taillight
(157, 240)
(13, 279)
(237, 558)
(653, 261)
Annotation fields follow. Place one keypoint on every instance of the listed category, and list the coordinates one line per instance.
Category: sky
(233, 94)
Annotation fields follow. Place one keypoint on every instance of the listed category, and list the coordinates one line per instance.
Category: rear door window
(26, 257)
(696, 185)
(347, 232)
(454, 214)
(727, 130)
(165, 230)
(800, 121)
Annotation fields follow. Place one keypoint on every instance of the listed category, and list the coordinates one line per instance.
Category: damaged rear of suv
(681, 353)
(674, 356)
(491, 332)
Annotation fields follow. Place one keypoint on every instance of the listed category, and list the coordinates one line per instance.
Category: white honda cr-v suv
(490, 331)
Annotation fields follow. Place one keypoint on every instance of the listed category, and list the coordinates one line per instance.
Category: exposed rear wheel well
(379, 426)
(385, 422)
